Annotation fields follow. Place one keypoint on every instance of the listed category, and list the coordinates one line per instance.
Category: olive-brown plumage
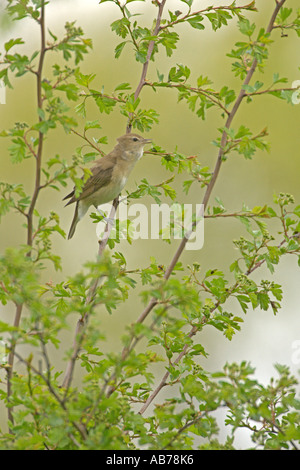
(109, 176)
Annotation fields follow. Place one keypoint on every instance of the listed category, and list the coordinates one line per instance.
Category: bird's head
(132, 144)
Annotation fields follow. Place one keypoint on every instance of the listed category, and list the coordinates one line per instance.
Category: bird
(108, 178)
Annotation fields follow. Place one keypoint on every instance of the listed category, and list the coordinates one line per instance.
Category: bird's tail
(74, 222)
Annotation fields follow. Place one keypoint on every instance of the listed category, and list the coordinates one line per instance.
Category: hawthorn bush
(118, 402)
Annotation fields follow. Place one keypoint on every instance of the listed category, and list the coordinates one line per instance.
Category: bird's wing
(101, 176)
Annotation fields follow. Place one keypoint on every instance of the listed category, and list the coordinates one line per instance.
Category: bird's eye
(135, 139)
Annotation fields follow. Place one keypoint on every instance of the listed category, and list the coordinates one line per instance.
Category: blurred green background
(264, 339)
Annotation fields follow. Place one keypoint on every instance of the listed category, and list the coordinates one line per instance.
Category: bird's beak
(147, 141)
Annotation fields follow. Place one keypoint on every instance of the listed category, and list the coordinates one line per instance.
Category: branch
(153, 302)
(190, 423)
(29, 215)
(218, 165)
(78, 339)
(250, 6)
(84, 137)
(29, 146)
(80, 428)
(41, 136)
(165, 377)
(211, 96)
(142, 81)
(10, 362)
(271, 90)
(122, 8)
(194, 330)
(206, 198)
(83, 321)
(231, 214)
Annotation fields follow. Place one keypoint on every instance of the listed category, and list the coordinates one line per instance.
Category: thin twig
(10, 361)
(84, 137)
(211, 96)
(190, 423)
(271, 90)
(180, 19)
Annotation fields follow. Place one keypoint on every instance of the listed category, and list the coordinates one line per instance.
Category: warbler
(109, 176)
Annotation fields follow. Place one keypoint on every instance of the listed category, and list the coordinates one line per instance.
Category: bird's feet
(108, 220)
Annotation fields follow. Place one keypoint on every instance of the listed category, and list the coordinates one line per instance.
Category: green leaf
(246, 27)
(188, 2)
(169, 41)
(263, 300)
(121, 27)
(17, 150)
(104, 103)
(283, 15)
(123, 86)
(12, 42)
(119, 48)
(296, 211)
(84, 80)
(141, 56)
(70, 89)
(92, 125)
(196, 22)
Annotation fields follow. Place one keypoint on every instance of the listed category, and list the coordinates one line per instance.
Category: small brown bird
(109, 176)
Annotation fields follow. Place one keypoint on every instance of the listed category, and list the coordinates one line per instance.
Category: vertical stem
(41, 135)
(148, 57)
(29, 215)
(10, 363)
(82, 322)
